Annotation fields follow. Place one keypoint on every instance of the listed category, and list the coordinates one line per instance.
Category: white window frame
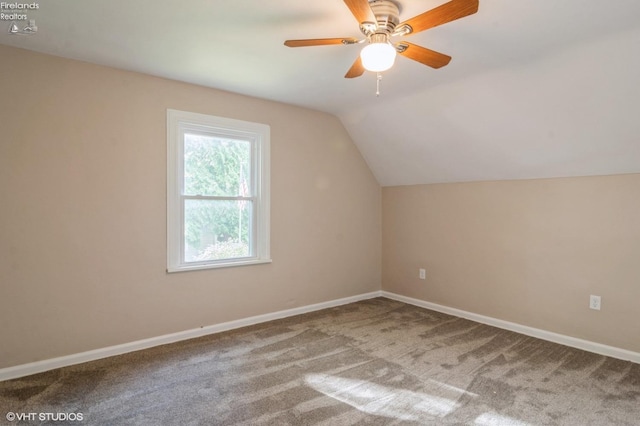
(259, 136)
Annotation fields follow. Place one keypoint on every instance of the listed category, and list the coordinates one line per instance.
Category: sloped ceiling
(535, 89)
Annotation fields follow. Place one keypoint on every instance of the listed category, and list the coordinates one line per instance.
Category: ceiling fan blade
(320, 42)
(447, 12)
(356, 69)
(361, 10)
(423, 55)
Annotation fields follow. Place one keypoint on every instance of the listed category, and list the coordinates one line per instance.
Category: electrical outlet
(594, 302)
(423, 274)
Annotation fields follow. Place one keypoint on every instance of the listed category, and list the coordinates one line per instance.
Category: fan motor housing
(387, 13)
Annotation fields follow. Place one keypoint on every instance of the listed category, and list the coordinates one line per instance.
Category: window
(217, 192)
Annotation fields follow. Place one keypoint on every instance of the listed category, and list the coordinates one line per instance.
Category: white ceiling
(536, 88)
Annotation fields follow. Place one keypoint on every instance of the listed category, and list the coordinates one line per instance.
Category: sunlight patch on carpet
(493, 419)
(372, 398)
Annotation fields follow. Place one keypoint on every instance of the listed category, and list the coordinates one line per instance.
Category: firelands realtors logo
(18, 16)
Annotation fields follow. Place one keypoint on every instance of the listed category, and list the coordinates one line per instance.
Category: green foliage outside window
(215, 228)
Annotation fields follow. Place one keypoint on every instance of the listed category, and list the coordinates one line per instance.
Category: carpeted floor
(376, 362)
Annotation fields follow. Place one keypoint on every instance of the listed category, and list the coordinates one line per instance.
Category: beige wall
(83, 211)
(529, 252)
(83, 232)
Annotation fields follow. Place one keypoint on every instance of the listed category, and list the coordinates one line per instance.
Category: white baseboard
(573, 342)
(64, 361)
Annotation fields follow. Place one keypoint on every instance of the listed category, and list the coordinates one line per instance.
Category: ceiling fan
(380, 21)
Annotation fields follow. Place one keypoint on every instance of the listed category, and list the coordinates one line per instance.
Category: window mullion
(214, 198)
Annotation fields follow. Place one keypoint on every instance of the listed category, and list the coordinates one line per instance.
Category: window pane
(216, 229)
(216, 166)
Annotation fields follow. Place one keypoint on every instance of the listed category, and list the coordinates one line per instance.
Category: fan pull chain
(378, 84)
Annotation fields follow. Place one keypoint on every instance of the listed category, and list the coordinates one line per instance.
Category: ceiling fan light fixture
(378, 57)
(380, 21)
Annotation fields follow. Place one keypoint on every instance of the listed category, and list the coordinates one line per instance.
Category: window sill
(233, 264)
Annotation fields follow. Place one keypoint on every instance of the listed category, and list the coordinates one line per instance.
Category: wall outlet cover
(594, 302)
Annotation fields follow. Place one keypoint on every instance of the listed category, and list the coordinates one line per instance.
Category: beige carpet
(376, 362)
